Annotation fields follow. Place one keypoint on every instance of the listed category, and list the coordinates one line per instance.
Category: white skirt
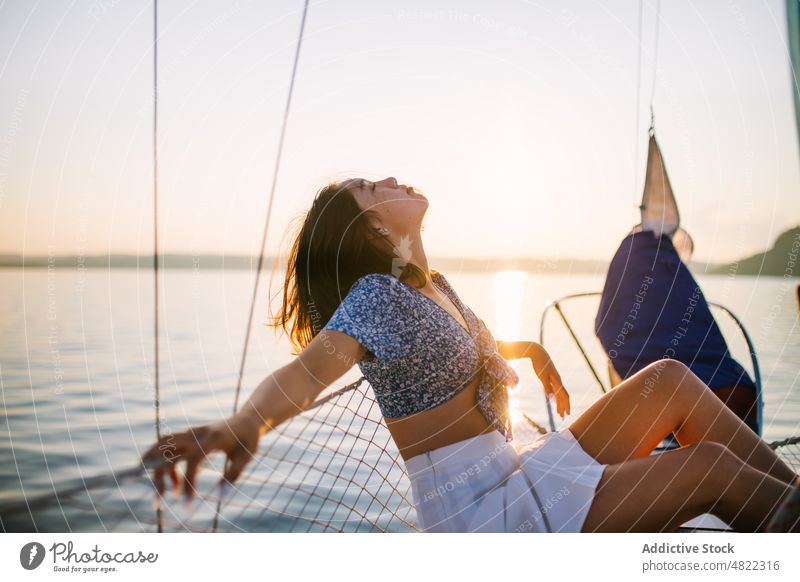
(485, 484)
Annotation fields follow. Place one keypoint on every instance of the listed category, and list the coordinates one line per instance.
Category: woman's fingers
(553, 390)
(173, 475)
(203, 444)
(564, 403)
(166, 451)
(241, 454)
(159, 475)
(164, 455)
(238, 460)
(238, 442)
(190, 476)
(161, 457)
(560, 393)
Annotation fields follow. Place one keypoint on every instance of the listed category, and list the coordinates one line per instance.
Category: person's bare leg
(660, 492)
(629, 421)
(741, 400)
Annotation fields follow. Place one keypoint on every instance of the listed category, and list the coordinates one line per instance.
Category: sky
(517, 119)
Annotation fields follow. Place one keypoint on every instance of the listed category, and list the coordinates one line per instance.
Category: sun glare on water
(509, 293)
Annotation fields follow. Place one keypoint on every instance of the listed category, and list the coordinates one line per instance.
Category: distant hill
(235, 262)
(782, 260)
(168, 261)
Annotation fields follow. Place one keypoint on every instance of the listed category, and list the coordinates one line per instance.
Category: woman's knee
(706, 474)
(709, 451)
(673, 370)
(666, 376)
(713, 463)
(677, 377)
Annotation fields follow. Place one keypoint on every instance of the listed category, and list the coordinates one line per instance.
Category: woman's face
(396, 207)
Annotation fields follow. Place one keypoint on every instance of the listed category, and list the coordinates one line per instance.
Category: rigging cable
(157, 391)
(638, 108)
(651, 131)
(275, 172)
(655, 66)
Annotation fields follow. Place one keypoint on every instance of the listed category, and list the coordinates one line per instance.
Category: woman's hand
(236, 436)
(280, 396)
(551, 380)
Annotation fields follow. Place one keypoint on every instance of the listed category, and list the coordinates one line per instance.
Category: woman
(358, 290)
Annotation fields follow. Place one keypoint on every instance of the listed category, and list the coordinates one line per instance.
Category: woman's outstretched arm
(291, 389)
(283, 394)
(544, 368)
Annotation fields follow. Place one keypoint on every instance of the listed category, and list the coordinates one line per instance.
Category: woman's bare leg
(742, 400)
(660, 492)
(666, 397)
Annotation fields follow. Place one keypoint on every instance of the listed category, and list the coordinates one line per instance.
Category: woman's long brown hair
(333, 248)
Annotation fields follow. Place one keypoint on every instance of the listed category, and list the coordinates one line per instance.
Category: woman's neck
(418, 256)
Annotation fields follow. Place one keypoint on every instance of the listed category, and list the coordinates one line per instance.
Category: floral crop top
(418, 355)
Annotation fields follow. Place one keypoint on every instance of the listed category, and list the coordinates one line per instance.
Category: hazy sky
(516, 118)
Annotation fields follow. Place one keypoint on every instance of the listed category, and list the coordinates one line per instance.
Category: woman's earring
(383, 230)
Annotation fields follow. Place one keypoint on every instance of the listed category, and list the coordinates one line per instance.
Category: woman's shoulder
(375, 287)
(373, 278)
(377, 281)
(388, 285)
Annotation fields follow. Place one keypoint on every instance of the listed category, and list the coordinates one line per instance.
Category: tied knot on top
(496, 376)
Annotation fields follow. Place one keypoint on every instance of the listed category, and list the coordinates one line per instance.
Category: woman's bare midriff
(455, 420)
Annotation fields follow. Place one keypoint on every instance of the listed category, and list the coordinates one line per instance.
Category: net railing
(789, 451)
(333, 468)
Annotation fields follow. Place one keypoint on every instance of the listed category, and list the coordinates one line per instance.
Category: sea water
(77, 373)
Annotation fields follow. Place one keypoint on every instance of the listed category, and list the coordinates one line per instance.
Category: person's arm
(516, 350)
(283, 394)
(291, 389)
(543, 366)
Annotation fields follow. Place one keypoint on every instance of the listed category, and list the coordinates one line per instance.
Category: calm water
(76, 355)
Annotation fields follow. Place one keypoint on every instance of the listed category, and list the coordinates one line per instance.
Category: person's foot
(787, 516)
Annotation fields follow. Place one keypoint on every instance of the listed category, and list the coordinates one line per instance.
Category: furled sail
(659, 208)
